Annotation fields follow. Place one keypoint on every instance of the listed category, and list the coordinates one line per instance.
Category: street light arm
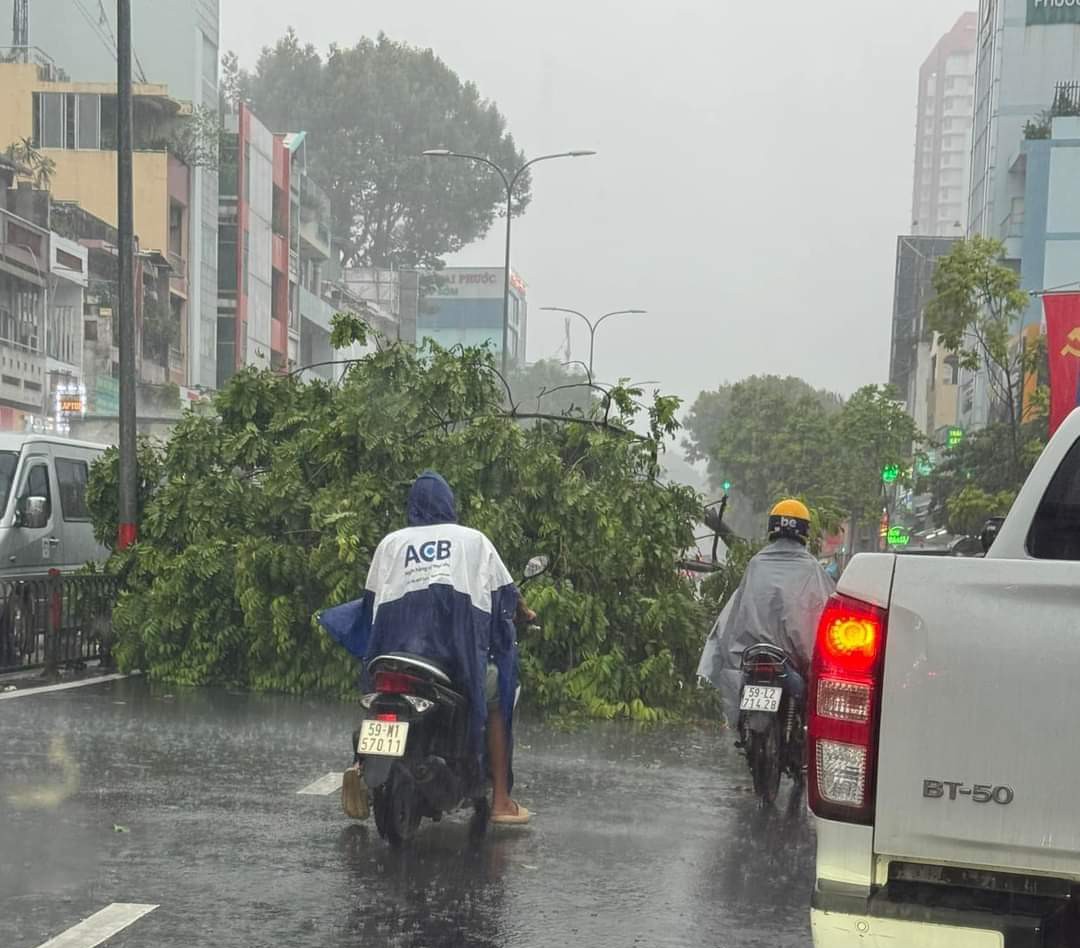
(507, 182)
(619, 312)
(572, 312)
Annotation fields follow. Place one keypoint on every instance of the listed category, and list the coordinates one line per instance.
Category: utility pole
(127, 533)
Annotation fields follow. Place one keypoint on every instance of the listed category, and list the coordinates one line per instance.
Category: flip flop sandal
(354, 795)
(520, 818)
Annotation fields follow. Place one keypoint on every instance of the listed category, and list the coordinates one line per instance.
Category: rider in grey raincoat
(778, 602)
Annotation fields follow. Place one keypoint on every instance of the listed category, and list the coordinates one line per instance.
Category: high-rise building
(943, 134)
(175, 44)
(1024, 49)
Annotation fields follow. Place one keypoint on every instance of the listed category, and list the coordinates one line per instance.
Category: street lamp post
(593, 325)
(509, 181)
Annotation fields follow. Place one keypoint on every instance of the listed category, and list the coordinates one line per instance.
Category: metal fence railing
(52, 621)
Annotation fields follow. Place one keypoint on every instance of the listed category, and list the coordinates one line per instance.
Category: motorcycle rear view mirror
(536, 566)
(990, 532)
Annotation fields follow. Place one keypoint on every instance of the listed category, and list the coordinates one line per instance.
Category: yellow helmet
(790, 518)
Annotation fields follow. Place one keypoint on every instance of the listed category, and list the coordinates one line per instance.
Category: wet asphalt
(132, 792)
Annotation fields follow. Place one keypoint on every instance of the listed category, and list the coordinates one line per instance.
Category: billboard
(1045, 12)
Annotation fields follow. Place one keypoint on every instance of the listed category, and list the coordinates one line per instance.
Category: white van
(45, 522)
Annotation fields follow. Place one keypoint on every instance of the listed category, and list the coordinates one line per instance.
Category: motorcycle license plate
(383, 738)
(760, 698)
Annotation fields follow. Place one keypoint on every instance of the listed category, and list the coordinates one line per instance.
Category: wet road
(128, 792)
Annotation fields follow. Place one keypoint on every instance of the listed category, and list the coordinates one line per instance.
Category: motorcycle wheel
(763, 752)
(396, 814)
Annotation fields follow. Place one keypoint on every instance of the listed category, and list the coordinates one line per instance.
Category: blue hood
(431, 501)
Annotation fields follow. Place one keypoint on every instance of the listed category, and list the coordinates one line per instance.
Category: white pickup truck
(944, 736)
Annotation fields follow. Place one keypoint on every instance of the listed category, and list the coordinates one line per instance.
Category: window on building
(89, 128)
(72, 477)
(227, 257)
(952, 370)
(69, 261)
(176, 228)
(69, 120)
(49, 119)
(108, 121)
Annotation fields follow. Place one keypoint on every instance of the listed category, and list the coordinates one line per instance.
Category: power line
(95, 28)
(103, 21)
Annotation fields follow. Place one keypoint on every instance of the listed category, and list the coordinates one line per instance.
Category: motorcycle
(771, 719)
(413, 744)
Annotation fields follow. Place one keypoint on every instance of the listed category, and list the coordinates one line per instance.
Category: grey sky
(754, 170)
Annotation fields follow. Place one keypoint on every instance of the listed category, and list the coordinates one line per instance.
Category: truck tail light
(845, 704)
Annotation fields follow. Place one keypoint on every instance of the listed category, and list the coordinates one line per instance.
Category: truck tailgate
(979, 756)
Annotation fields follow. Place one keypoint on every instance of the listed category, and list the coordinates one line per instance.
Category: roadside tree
(369, 112)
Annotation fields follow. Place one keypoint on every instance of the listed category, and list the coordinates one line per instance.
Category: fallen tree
(267, 509)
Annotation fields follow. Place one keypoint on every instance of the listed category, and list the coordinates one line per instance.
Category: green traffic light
(727, 485)
(890, 473)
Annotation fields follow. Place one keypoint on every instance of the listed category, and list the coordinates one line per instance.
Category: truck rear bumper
(842, 920)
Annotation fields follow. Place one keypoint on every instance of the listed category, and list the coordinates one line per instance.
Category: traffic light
(727, 486)
(890, 473)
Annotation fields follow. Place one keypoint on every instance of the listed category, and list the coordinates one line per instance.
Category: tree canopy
(767, 435)
(370, 111)
(269, 508)
(772, 436)
(976, 310)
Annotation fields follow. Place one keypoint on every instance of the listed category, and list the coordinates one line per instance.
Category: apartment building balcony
(24, 262)
(178, 277)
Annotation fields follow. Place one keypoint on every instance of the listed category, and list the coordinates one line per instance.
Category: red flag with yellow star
(1063, 350)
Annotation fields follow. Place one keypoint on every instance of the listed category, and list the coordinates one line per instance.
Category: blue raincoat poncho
(440, 590)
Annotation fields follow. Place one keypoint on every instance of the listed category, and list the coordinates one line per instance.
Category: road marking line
(324, 786)
(42, 689)
(100, 926)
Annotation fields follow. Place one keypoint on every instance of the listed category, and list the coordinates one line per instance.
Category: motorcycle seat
(430, 667)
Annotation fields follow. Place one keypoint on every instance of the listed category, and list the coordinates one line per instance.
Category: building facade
(943, 134)
(175, 45)
(1024, 49)
(1047, 171)
(464, 306)
(921, 371)
(73, 125)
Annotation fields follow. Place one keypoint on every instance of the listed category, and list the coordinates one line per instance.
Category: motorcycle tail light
(844, 709)
(395, 683)
(385, 717)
